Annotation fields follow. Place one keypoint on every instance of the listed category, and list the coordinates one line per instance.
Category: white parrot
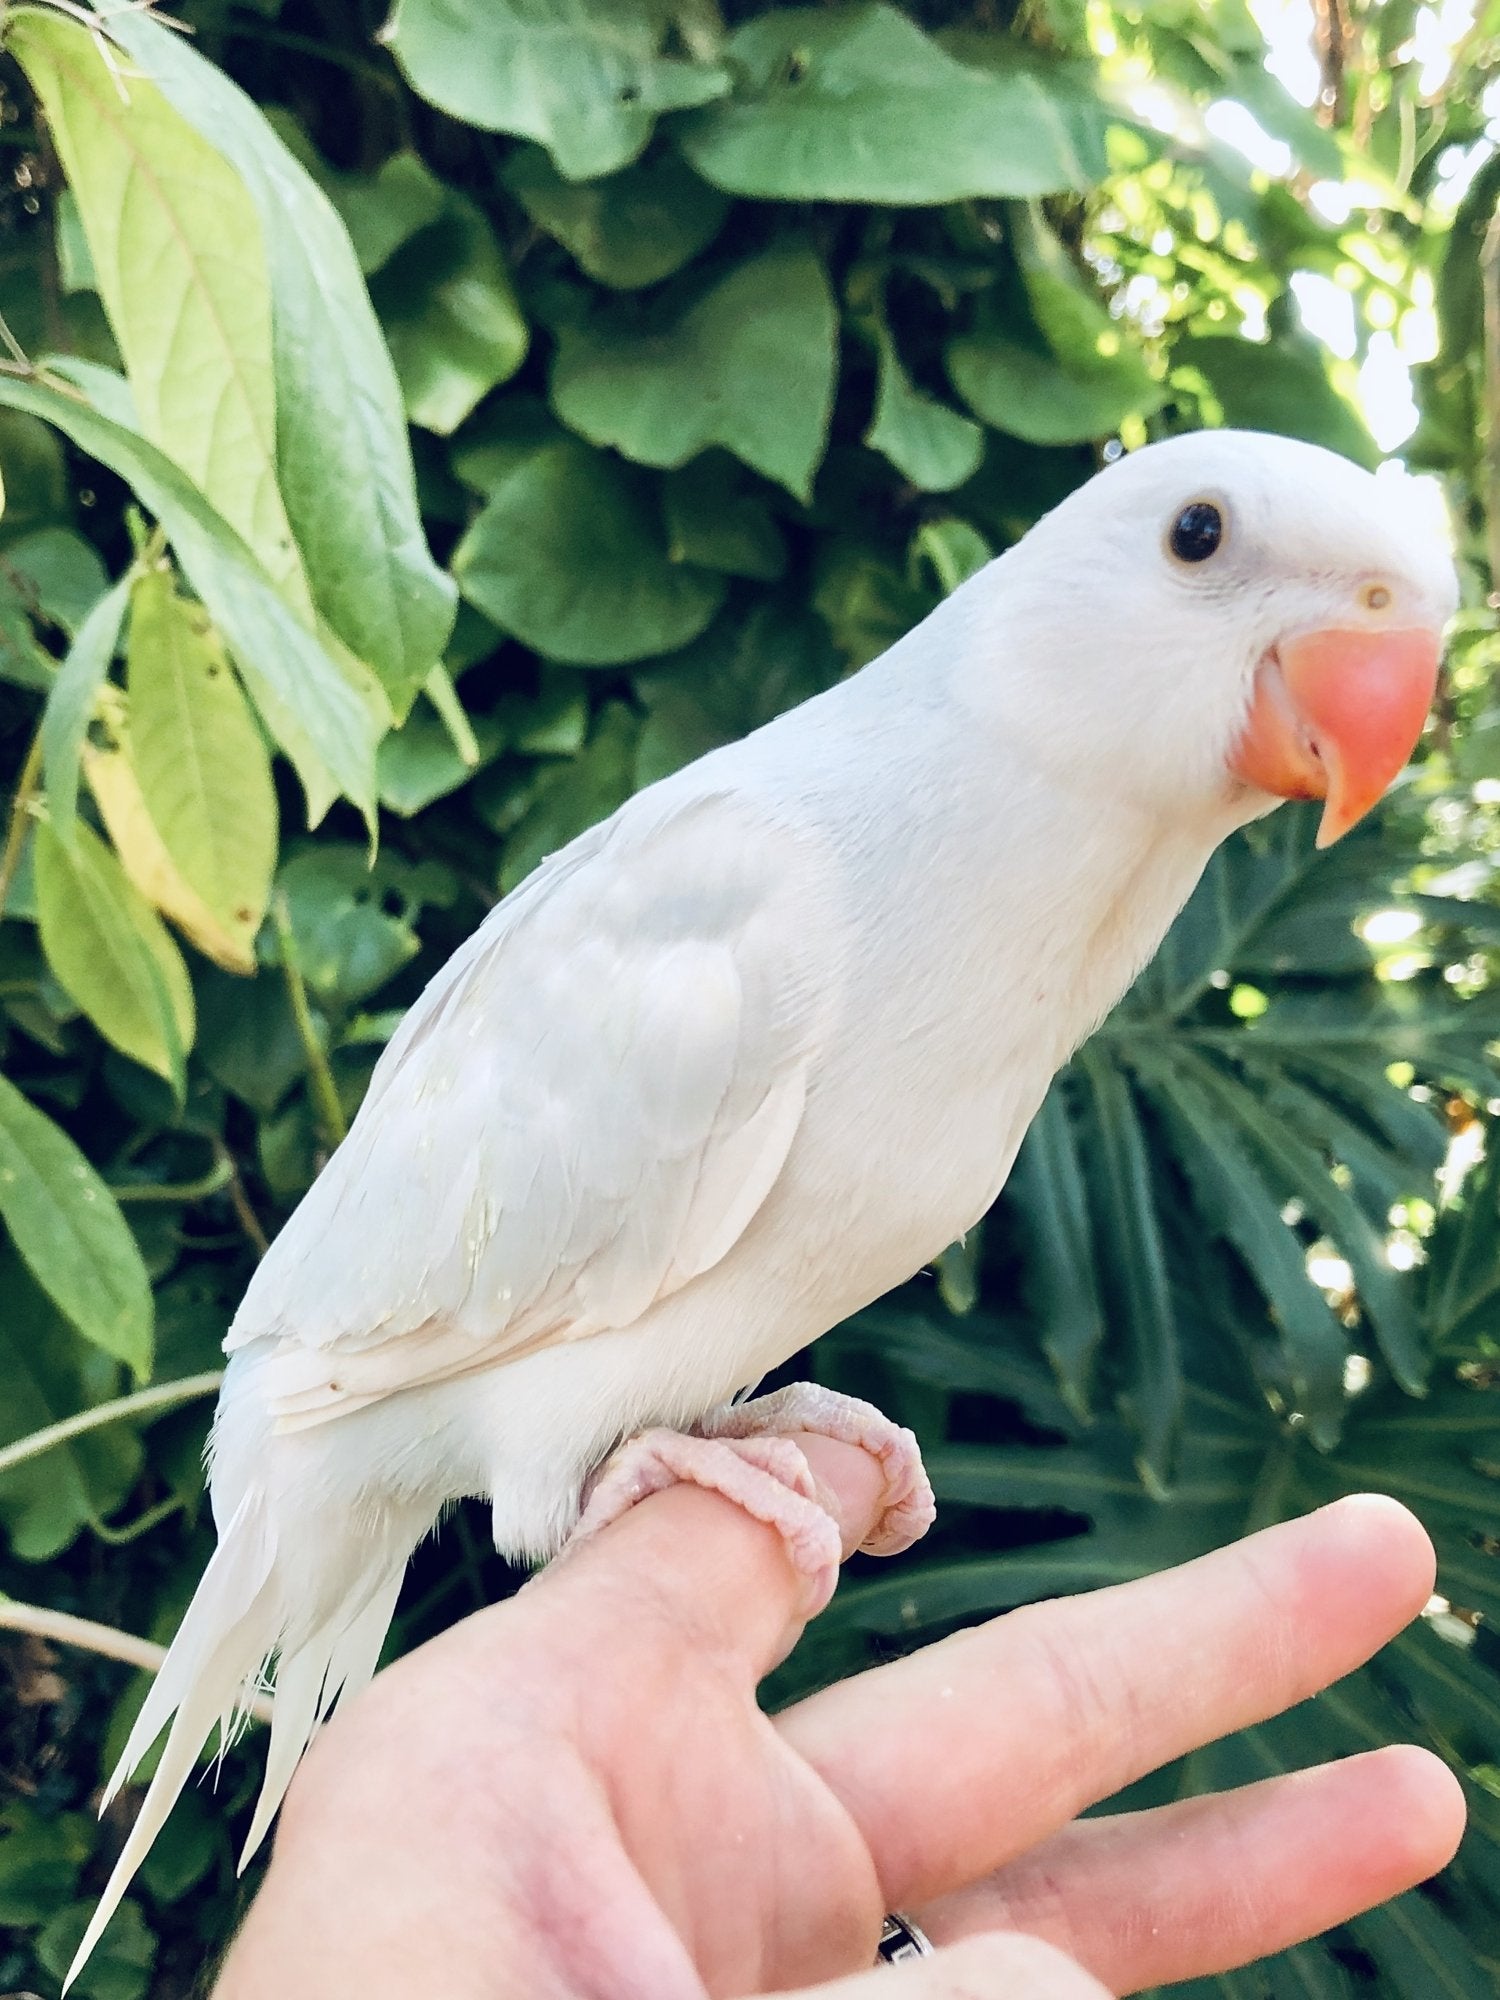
(757, 1048)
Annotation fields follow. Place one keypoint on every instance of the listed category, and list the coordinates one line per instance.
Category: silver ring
(900, 1939)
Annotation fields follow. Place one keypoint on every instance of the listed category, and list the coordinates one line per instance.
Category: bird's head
(1255, 618)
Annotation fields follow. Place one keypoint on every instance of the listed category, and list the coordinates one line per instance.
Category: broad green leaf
(111, 952)
(857, 104)
(341, 445)
(383, 210)
(932, 445)
(714, 523)
(60, 572)
(71, 701)
(1039, 398)
(48, 1372)
(718, 375)
(179, 261)
(348, 942)
(312, 709)
(450, 316)
(633, 229)
(742, 672)
(568, 556)
(574, 796)
(205, 779)
(585, 78)
(1282, 385)
(68, 1227)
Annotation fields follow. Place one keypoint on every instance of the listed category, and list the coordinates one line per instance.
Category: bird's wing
(583, 1112)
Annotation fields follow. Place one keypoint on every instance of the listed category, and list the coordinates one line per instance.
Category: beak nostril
(1375, 597)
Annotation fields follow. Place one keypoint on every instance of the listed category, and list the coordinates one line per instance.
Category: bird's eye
(1197, 532)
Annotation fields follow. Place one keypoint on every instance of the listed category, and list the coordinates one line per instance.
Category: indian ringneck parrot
(758, 1047)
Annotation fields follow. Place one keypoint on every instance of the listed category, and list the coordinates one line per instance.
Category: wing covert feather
(583, 1112)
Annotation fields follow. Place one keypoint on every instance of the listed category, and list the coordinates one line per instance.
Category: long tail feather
(257, 1600)
(230, 1627)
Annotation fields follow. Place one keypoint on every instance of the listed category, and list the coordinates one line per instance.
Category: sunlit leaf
(204, 777)
(586, 78)
(717, 375)
(111, 952)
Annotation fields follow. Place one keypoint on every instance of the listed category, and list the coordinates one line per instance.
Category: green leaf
(1046, 1185)
(71, 699)
(341, 445)
(1039, 398)
(1234, 1199)
(315, 713)
(111, 952)
(567, 555)
(68, 1227)
(450, 316)
(932, 445)
(204, 775)
(717, 375)
(47, 1373)
(60, 572)
(1128, 1230)
(383, 210)
(633, 229)
(121, 1964)
(857, 104)
(713, 523)
(348, 942)
(585, 78)
(577, 795)
(180, 264)
(1282, 385)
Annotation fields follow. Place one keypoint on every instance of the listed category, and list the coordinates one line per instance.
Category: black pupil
(1197, 532)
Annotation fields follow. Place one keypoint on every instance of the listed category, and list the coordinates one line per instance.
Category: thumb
(996, 1966)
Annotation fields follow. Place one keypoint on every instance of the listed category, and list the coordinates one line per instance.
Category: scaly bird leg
(767, 1476)
(742, 1452)
(807, 1406)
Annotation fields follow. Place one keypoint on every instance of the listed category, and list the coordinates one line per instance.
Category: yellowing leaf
(189, 801)
(180, 263)
(111, 952)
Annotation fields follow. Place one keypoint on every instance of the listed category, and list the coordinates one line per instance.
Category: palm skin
(574, 1793)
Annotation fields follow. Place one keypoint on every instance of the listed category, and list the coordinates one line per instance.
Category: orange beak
(1335, 716)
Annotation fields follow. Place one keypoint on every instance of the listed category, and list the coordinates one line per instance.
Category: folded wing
(583, 1112)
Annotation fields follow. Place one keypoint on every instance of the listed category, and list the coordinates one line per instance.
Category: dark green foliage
(572, 402)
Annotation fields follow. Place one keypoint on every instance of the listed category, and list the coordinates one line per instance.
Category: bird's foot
(807, 1406)
(767, 1476)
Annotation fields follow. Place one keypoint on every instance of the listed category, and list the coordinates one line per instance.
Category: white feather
(739, 1060)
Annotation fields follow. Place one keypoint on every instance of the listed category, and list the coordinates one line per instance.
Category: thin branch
(239, 1201)
(164, 1396)
(21, 804)
(218, 1177)
(325, 1093)
(63, 1629)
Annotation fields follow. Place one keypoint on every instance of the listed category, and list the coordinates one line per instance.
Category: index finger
(701, 1572)
(957, 1759)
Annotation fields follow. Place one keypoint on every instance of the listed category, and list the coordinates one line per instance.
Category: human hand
(574, 1793)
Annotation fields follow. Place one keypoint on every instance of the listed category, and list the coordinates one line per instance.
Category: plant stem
(219, 1175)
(164, 1396)
(319, 1075)
(66, 1630)
(245, 1215)
(20, 818)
